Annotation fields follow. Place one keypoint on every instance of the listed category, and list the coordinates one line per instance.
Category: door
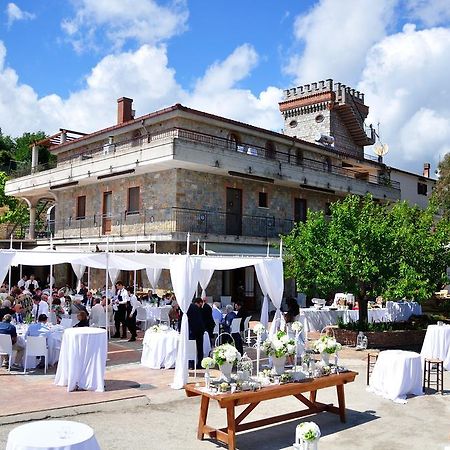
(234, 212)
(300, 210)
(106, 225)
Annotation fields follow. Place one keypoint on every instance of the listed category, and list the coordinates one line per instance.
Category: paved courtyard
(139, 409)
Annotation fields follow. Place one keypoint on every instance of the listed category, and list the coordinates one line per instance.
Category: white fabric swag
(5, 262)
(79, 270)
(205, 278)
(113, 275)
(153, 276)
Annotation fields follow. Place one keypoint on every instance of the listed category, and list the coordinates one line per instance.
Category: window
(422, 188)
(298, 157)
(327, 209)
(270, 150)
(262, 201)
(293, 123)
(300, 210)
(81, 207)
(319, 118)
(133, 200)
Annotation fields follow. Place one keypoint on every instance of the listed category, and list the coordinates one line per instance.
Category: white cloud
(430, 12)
(143, 21)
(14, 13)
(336, 36)
(406, 87)
(145, 76)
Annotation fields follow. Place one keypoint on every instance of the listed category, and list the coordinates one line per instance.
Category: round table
(52, 435)
(82, 360)
(437, 344)
(396, 374)
(159, 349)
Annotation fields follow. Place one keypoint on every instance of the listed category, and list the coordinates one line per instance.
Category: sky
(63, 64)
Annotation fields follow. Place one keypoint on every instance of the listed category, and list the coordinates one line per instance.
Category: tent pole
(106, 288)
(9, 270)
(135, 271)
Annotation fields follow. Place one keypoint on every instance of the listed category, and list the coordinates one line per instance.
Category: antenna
(380, 149)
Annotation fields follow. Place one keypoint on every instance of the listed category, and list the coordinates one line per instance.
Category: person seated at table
(196, 327)
(293, 310)
(40, 328)
(18, 344)
(57, 309)
(174, 315)
(83, 320)
(40, 306)
(6, 309)
(19, 314)
(228, 318)
(77, 305)
(97, 315)
(132, 306)
(217, 312)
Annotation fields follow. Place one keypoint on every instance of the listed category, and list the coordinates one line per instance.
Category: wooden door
(300, 210)
(234, 212)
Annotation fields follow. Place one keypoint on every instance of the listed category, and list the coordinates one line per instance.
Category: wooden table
(252, 399)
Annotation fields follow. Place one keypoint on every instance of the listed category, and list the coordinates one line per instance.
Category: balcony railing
(161, 221)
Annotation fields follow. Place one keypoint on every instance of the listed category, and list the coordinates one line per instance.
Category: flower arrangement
(259, 328)
(327, 344)
(308, 431)
(245, 364)
(207, 363)
(296, 326)
(279, 345)
(226, 353)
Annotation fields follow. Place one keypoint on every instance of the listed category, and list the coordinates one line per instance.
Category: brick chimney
(124, 111)
(426, 170)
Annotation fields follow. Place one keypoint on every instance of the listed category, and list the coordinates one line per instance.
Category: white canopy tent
(186, 272)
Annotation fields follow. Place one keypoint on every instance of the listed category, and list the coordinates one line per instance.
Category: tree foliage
(369, 249)
(441, 194)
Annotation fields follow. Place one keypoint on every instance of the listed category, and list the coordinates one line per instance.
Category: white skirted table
(82, 361)
(52, 435)
(437, 344)
(396, 374)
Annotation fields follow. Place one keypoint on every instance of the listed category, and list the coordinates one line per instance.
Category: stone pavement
(140, 409)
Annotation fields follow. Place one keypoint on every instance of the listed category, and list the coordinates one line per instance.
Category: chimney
(124, 111)
(426, 170)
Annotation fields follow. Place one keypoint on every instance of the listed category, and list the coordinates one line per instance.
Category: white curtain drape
(185, 274)
(79, 270)
(113, 275)
(5, 262)
(205, 278)
(153, 276)
(270, 278)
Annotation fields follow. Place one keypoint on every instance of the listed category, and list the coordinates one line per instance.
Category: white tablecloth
(396, 374)
(160, 348)
(52, 435)
(402, 311)
(437, 344)
(82, 361)
(154, 312)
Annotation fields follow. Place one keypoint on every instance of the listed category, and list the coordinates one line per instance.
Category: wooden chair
(371, 360)
(433, 367)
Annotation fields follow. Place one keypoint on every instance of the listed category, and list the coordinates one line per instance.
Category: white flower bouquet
(296, 326)
(279, 345)
(259, 328)
(226, 353)
(155, 329)
(327, 344)
(207, 363)
(307, 431)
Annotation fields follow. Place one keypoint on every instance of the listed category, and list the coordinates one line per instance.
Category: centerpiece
(326, 346)
(279, 346)
(225, 356)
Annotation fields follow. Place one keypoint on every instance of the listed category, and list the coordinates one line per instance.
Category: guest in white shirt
(120, 316)
(216, 312)
(40, 307)
(132, 307)
(97, 315)
(22, 281)
(31, 282)
(40, 328)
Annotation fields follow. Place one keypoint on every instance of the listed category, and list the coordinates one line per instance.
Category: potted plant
(326, 346)
(279, 346)
(225, 356)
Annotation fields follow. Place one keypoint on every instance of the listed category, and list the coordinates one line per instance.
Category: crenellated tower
(331, 110)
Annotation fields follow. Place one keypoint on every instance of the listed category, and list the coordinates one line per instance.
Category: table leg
(312, 396)
(231, 427)
(341, 401)
(202, 417)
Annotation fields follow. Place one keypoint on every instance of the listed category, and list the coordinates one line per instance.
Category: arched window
(270, 150)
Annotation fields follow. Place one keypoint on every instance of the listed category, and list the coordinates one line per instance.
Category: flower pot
(225, 370)
(278, 364)
(308, 445)
(325, 358)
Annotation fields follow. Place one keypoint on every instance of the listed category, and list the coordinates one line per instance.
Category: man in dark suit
(208, 319)
(196, 326)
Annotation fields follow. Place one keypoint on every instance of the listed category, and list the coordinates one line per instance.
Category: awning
(239, 249)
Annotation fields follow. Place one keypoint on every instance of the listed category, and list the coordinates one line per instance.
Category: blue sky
(62, 60)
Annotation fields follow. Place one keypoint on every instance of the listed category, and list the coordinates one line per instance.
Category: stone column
(34, 158)
(31, 231)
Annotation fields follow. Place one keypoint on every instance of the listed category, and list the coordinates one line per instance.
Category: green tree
(369, 249)
(441, 194)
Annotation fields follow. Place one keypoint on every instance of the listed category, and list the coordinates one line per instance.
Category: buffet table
(402, 311)
(437, 344)
(230, 401)
(52, 435)
(82, 361)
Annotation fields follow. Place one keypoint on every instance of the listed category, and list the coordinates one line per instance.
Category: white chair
(36, 346)
(247, 330)
(74, 319)
(164, 315)
(66, 323)
(192, 354)
(236, 325)
(225, 300)
(141, 316)
(6, 348)
(216, 330)
(52, 318)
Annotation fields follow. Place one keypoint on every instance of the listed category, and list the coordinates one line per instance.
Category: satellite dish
(381, 149)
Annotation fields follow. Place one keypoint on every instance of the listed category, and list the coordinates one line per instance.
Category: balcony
(161, 222)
